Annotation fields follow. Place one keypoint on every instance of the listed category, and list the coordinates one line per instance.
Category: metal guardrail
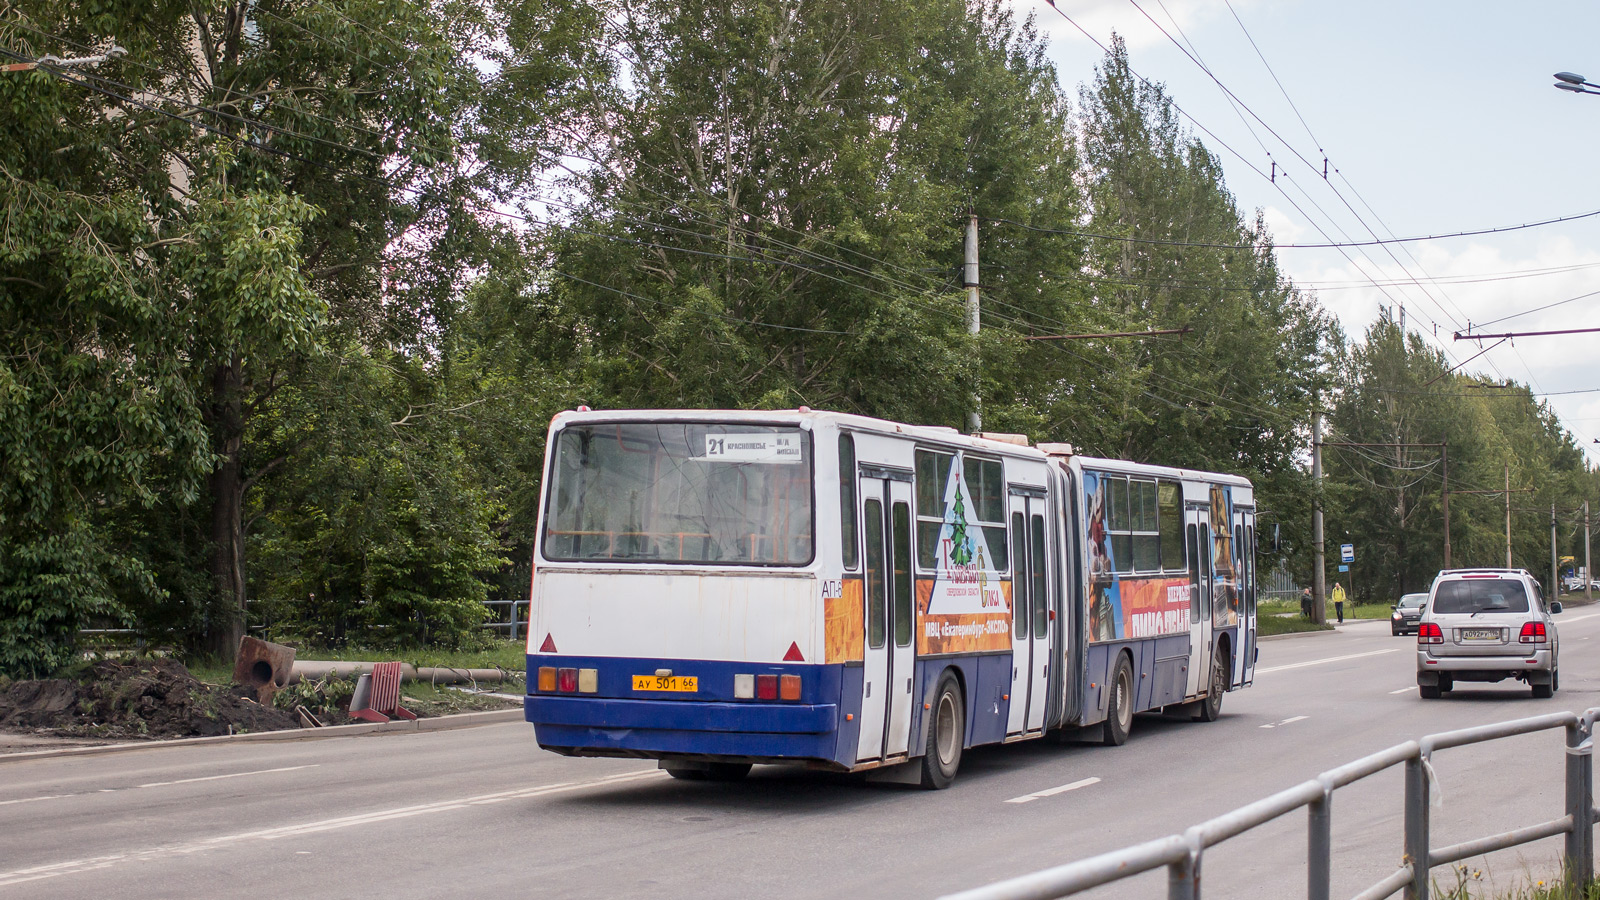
(1181, 853)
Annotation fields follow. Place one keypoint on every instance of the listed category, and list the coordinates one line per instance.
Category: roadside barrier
(1181, 853)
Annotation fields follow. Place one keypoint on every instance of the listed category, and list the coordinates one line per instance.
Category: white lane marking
(1051, 792)
(232, 775)
(1577, 618)
(1318, 662)
(160, 784)
(34, 799)
(73, 866)
(1404, 690)
(1289, 721)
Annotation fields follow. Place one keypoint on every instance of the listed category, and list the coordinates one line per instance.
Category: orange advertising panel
(963, 632)
(1155, 606)
(844, 620)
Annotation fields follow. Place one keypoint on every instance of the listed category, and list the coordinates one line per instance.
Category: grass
(1269, 624)
(1365, 611)
(1470, 885)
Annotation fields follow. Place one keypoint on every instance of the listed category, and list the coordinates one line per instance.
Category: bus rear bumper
(656, 729)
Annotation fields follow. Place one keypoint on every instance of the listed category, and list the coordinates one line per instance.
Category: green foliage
(379, 534)
(324, 698)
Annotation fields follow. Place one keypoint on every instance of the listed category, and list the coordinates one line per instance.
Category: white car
(1487, 625)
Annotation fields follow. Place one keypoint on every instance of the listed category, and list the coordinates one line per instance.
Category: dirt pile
(136, 699)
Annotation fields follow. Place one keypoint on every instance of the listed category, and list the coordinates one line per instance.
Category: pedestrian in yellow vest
(1338, 601)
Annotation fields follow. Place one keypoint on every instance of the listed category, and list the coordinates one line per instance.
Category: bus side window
(1170, 521)
(1036, 564)
(875, 574)
(902, 575)
(847, 502)
(1020, 588)
(1194, 575)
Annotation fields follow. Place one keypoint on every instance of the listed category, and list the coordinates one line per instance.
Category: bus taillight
(744, 687)
(567, 680)
(766, 687)
(789, 687)
(547, 678)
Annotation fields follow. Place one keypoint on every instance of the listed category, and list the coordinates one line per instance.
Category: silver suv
(1487, 625)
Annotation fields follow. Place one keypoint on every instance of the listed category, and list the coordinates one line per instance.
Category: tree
(1235, 393)
(249, 187)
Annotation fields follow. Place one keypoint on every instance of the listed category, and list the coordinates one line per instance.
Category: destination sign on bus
(764, 448)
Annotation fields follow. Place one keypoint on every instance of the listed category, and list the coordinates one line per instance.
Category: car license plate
(688, 684)
(1480, 634)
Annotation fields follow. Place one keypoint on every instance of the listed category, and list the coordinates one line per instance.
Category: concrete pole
(1444, 499)
(1319, 583)
(969, 280)
(1588, 573)
(1555, 565)
(1508, 515)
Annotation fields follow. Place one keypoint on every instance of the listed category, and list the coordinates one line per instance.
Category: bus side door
(888, 655)
(1244, 533)
(1030, 614)
(1198, 535)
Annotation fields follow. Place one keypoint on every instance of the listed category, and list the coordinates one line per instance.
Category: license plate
(1480, 634)
(682, 683)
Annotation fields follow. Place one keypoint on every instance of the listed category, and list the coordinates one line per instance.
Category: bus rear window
(681, 493)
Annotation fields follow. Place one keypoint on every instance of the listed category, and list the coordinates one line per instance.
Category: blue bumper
(715, 726)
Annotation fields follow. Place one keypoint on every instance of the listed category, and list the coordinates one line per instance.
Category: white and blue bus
(715, 589)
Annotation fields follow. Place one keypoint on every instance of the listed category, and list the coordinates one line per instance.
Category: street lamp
(1577, 84)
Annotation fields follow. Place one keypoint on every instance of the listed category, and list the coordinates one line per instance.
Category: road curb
(434, 723)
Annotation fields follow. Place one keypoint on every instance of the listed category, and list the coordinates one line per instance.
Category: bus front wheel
(942, 757)
(1211, 704)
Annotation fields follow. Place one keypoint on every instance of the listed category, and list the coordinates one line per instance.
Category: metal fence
(1181, 853)
(514, 624)
(1278, 585)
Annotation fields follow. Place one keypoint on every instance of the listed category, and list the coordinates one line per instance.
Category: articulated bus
(718, 589)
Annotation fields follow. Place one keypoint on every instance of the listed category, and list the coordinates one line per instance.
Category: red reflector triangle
(549, 645)
(794, 654)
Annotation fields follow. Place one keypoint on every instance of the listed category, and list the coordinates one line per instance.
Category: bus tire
(1210, 706)
(942, 756)
(1119, 715)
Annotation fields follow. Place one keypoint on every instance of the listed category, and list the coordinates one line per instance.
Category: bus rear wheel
(1119, 717)
(942, 757)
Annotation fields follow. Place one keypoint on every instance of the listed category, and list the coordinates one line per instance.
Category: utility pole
(1555, 576)
(1588, 573)
(1319, 584)
(1444, 499)
(1508, 515)
(969, 280)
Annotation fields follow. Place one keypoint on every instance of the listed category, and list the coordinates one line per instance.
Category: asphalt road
(484, 813)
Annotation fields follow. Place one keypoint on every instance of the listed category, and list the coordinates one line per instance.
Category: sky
(1434, 118)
